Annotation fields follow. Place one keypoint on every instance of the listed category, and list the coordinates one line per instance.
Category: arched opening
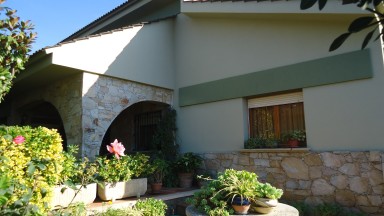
(43, 114)
(134, 127)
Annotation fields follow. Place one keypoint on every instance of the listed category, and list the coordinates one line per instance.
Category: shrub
(34, 162)
(151, 207)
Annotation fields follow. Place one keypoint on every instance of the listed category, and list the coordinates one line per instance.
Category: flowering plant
(297, 135)
(116, 148)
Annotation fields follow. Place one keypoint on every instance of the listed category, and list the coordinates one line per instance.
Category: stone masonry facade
(351, 179)
(104, 98)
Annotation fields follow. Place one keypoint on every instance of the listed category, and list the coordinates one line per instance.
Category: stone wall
(104, 98)
(65, 96)
(352, 179)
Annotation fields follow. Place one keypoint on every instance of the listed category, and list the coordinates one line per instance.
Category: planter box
(119, 190)
(86, 195)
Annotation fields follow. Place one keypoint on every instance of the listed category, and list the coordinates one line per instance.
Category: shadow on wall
(134, 127)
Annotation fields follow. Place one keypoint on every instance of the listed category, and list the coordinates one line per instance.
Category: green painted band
(335, 69)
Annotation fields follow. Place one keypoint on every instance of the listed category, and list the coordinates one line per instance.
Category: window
(145, 127)
(275, 117)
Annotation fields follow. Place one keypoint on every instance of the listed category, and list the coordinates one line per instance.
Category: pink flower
(116, 148)
(19, 139)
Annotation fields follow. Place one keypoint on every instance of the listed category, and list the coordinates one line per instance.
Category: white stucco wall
(217, 127)
(343, 116)
(142, 53)
(347, 115)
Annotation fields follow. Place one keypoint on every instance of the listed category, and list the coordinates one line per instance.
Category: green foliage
(164, 142)
(299, 135)
(138, 164)
(188, 162)
(266, 190)
(34, 165)
(151, 207)
(119, 212)
(357, 25)
(207, 200)
(238, 184)
(69, 164)
(260, 142)
(114, 170)
(159, 169)
(146, 207)
(215, 197)
(16, 37)
(78, 209)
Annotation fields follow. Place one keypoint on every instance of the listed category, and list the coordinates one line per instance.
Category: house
(232, 70)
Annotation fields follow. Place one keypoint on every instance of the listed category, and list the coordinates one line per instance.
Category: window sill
(276, 150)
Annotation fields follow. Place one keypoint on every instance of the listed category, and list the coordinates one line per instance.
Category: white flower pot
(86, 195)
(119, 190)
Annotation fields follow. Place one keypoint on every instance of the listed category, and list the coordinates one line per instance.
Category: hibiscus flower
(116, 148)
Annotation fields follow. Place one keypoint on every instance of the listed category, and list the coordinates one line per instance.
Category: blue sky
(55, 20)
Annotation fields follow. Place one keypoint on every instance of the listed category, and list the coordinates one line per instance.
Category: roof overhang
(40, 72)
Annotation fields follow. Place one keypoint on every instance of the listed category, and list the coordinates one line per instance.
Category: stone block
(359, 185)
(315, 172)
(375, 200)
(261, 162)
(295, 168)
(379, 189)
(345, 198)
(313, 160)
(332, 160)
(322, 187)
(243, 160)
(350, 169)
(305, 184)
(375, 156)
(339, 181)
(375, 177)
(290, 184)
(362, 200)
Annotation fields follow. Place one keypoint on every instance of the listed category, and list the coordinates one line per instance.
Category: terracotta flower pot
(156, 187)
(293, 143)
(185, 180)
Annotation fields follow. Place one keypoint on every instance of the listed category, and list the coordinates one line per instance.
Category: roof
(129, 13)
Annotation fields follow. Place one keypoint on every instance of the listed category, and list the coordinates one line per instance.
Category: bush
(151, 207)
(34, 162)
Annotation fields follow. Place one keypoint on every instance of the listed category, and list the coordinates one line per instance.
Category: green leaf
(339, 41)
(360, 24)
(31, 169)
(305, 4)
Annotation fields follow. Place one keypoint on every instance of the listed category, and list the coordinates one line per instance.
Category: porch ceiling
(40, 74)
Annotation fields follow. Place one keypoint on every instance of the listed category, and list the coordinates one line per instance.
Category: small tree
(16, 37)
(362, 23)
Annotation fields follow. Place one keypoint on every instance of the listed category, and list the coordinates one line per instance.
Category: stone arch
(42, 113)
(104, 99)
(134, 127)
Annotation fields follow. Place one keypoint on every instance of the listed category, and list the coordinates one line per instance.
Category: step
(166, 194)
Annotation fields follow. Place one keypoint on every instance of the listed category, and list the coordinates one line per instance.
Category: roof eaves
(105, 33)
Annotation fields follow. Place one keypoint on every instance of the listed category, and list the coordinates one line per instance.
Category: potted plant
(78, 182)
(116, 174)
(239, 187)
(266, 197)
(159, 169)
(186, 165)
(295, 137)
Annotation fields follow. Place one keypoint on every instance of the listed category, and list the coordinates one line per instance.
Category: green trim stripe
(335, 69)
